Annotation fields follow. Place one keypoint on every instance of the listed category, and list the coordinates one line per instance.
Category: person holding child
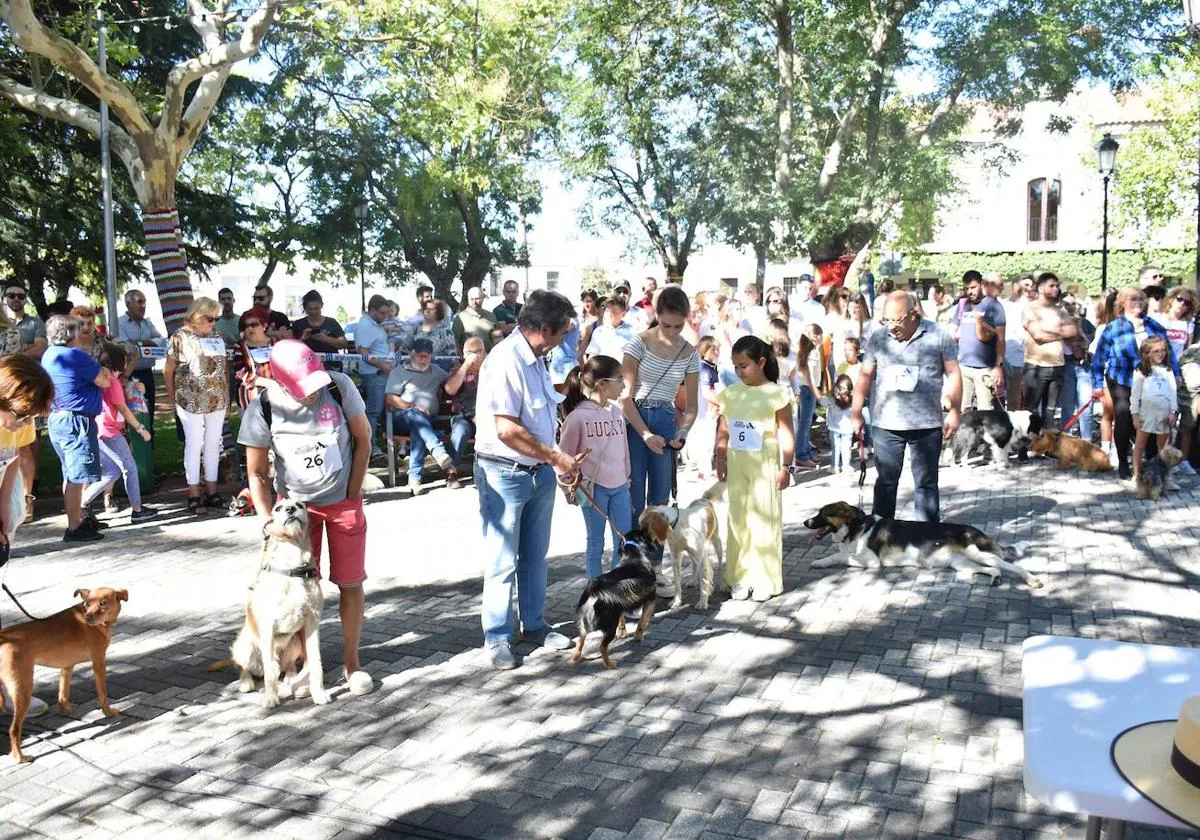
(754, 447)
(594, 422)
(116, 459)
(1152, 398)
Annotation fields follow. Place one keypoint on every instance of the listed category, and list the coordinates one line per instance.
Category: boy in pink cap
(319, 433)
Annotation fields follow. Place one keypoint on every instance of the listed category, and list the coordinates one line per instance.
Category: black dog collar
(307, 572)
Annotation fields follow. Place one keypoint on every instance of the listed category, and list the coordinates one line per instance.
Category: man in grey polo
(137, 329)
(903, 367)
(516, 460)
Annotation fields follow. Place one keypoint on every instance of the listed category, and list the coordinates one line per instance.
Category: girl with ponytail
(594, 421)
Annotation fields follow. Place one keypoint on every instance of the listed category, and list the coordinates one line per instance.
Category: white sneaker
(739, 592)
(36, 707)
(359, 682)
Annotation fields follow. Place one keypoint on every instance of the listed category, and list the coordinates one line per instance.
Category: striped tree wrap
(168, 263)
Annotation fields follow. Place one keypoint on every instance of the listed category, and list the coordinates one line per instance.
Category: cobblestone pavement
(857, 704)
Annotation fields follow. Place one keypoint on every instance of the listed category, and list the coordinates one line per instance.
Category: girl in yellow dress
(754, 442)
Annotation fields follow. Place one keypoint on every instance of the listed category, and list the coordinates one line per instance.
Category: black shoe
(215, 500)
(144, 513)
(1123, 472)
(82, 534)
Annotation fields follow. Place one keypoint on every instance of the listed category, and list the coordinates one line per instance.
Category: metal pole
(110, 254)
(1104, 251)
(1198, 201)
(362, 277)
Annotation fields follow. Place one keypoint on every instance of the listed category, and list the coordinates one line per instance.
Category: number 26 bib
(310, 459)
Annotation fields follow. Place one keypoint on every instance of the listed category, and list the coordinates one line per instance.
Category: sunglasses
(258, 299)
(774, 300)
(895, 322)
(15, 296)
(209, 318)
(252, 324)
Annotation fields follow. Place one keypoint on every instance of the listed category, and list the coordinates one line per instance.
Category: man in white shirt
(515, 465)
(754, 315)
(1014, 337)
(803, 307)
(609, 338)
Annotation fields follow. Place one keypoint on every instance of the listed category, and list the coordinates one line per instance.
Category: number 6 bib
(745, 436)
(310, 459)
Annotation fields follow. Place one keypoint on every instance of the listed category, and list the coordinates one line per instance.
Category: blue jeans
(615, 504)
(462, 429)
(423, 438)
(515, 508)
(650, 473)
(925, 446)
(374, 385)
(1077, 390)
(806, 409)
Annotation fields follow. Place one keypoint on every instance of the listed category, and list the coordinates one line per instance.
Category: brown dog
(1071, 452)
(66, 639)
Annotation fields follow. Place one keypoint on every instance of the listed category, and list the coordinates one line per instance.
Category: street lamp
(360, 215)
(1191, 10)
(1106, 152)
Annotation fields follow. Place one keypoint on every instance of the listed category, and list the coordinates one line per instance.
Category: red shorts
(347, 527)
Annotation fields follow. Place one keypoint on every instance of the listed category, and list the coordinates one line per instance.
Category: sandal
(195, 506)
(215, 500)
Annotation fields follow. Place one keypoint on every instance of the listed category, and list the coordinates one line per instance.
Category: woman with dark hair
(321, 334)
(657, 362)
(754, 447)
(435, 326)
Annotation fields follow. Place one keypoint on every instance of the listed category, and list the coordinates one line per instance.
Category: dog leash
(862, 466)
(5, 548)
(1078, 413)
(575, 484)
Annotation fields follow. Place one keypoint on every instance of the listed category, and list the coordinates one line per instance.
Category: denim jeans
(1077, 390)
(515, 508)
(374, 385)
(462, 429)
(806, 409)
(925, 447)
(650, 473)
(615, 504)
(423, 439)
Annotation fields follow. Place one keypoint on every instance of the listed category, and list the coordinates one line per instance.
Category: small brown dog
(66, 639)
(1071, 452)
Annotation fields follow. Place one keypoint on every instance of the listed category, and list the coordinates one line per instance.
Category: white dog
(283, 608)
(692, 531)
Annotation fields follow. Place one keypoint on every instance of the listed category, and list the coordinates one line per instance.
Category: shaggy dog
(1071, 452)
(1004, 431)
(1152, 480)
(871, 542)
(689, 531)
(283, 610)
(628, 587)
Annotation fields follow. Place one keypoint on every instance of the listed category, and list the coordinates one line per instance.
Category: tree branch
(34, 37)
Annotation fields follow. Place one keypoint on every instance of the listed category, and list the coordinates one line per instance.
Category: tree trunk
(268, 271)
(785, 56)
(168, 263)
(760, 266)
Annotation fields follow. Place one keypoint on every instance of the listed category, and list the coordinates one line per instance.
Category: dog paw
(64, 709)
(245, 685)
(677, 602)
(19, 758)
(320, 698)
(1036, 583)
(702, 605)
(109, 711)
(270, 701)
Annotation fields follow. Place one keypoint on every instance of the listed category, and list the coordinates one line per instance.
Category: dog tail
(221, 666)
(716, 493)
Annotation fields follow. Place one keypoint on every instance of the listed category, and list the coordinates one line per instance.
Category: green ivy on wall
(1082, 267)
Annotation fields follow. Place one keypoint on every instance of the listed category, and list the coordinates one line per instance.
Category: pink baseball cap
(297, 369)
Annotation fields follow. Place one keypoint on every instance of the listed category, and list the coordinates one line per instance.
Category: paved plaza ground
(857, 704)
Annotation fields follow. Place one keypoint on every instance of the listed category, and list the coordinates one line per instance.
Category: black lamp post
(1106, 152)
(360, 215)
(1191, 10)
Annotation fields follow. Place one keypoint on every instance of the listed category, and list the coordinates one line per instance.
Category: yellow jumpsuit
(754, 548)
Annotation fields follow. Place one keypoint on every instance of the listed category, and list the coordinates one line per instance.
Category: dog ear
(122, 594)
(656, 525)
(83, 593)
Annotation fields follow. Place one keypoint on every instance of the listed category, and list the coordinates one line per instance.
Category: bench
(441, 423)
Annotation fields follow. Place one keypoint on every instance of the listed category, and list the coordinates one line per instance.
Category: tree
(433, 113)
(1155, 185)
(152, 150)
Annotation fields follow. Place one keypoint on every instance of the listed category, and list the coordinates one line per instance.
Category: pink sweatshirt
(601, 430)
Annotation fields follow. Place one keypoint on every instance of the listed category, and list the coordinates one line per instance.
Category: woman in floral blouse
(197, 383)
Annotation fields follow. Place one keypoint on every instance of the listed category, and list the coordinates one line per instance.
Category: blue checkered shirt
(1117, 354)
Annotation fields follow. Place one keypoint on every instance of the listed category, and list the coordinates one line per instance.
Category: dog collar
(307, 572)
(630, 544)
(672, 516)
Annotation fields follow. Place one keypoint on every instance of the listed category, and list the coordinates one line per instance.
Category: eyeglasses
(209, 318)
(252, 324)
(895, 322)
(15, 296)
(774, 300)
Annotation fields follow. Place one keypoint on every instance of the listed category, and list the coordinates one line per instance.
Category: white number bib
(310, 460)
(900, 377)
(744, 436)
(260, 355)
(212, 346)
(1157, 387)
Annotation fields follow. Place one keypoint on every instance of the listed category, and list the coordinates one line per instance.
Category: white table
(1079, 694)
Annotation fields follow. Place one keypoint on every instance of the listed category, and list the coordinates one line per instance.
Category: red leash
(1077, 414)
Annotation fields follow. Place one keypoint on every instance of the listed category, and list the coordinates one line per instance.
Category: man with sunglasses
(904, 365)
(280, 326)
(31, 327)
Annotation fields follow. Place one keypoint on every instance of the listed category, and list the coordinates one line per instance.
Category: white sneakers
(36, 706)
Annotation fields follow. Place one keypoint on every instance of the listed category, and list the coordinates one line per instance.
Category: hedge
(1082, 267)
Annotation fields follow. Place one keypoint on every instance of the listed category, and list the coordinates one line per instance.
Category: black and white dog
(871, 542)
(1004, 431)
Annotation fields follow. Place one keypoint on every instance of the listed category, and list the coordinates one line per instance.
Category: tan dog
(66, 639)
(1071, 452)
